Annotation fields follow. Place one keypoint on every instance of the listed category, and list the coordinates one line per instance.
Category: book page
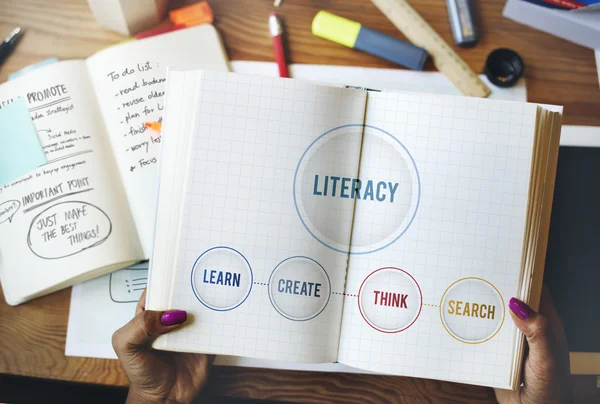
(98, 343)
(246, 267)
(130, 83)
(437, 238)
(70, 216)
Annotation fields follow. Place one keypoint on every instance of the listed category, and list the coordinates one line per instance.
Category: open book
(90, 209)
(384, 231)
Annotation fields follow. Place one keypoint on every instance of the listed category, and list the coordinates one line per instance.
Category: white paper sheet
(378, 79)
(94, 316)
(100, 307)
(581, 136)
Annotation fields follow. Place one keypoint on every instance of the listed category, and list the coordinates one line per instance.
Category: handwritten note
(67, 228)
(8, 210)
(70, 212)
(55, 101)
(138, 91)
(130, 84)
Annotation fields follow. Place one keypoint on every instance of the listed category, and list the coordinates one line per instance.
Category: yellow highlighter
(354, 35)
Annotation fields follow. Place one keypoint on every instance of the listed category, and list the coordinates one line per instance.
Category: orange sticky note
(196, 14)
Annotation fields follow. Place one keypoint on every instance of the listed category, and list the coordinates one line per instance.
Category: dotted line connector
(344, 294)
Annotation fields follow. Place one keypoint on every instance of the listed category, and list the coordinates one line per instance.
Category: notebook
(90, 336)
(383, 231)
(90, 208)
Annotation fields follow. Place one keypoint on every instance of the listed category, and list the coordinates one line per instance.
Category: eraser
(196, 14)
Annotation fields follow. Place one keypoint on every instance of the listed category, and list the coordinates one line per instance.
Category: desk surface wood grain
(32, 336)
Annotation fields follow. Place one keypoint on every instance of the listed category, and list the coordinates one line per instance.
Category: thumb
(144, 328)
(536, 329)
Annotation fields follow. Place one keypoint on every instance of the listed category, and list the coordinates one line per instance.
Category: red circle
(360, 297)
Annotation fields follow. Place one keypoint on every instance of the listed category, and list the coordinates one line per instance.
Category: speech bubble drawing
(8, 210)
(127, 285)
(68, 228)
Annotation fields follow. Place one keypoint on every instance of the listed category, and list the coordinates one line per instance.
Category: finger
(548, 310)
(546, 373)
(144, 328)
(536, 329)
(141, 306)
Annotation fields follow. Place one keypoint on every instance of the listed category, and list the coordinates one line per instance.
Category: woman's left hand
(158, 376)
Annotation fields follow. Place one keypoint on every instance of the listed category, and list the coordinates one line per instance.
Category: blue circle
(194, 270)
(328, 281)
(418, 189)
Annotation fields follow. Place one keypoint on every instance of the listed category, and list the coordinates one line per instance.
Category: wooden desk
(32, 336)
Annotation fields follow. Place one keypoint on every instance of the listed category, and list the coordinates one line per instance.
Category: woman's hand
(546, 370)
(158, 376)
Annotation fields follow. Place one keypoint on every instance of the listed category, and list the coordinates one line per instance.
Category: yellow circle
(442, 305)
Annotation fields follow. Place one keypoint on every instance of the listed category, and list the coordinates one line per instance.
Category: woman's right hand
(546, 372)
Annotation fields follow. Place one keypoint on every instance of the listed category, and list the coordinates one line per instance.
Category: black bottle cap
(504, 67)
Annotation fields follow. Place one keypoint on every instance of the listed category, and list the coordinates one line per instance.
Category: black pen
(9, 43)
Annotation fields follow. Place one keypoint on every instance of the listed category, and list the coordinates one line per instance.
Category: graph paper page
(249, 271)
(437, 238)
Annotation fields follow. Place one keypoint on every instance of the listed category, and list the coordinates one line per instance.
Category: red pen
(277, 34)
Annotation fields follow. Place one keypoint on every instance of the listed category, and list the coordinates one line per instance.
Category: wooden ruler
(416, 29)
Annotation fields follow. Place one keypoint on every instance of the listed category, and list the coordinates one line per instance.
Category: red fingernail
(173, 317)
(522, 310)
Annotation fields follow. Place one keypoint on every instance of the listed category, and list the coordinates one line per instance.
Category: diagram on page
(356, 210)
(380, 200)
(127, 285)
